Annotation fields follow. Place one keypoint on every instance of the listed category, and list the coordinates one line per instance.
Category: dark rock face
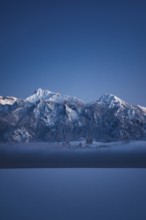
(47, 116)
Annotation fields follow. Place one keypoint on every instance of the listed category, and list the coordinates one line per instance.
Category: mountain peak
(111, 100)
(46, 95)
(39, 91)
(39, 94)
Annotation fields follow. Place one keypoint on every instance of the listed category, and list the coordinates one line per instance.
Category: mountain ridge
(49, 116)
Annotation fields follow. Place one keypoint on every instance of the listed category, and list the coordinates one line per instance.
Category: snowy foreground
(76, 154)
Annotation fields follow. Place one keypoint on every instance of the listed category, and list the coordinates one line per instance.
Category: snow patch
(142, 108)
(71, 113)
(8, 100)
(111, 100)
(46, 95)
(40, 94)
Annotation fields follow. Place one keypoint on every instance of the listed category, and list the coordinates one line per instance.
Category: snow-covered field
(76, 154)
(75, 145)
(111, 146)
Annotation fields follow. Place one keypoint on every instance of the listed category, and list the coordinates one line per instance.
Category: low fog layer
(76, 154)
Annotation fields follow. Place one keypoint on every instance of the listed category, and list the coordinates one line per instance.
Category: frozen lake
(56, 155)
(72, 194)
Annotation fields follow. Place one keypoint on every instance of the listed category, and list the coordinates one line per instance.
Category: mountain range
(49, 116)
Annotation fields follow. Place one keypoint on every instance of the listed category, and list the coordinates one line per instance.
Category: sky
(78, 48)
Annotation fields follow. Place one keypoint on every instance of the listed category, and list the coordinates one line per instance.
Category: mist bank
(77, 155)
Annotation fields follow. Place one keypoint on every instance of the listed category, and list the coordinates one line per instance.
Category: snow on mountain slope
(45, 95)
(8, 100)
(73, 100)
(48, 96)
(39, 94)
(142, 108)
(111, 100)
(72, 114)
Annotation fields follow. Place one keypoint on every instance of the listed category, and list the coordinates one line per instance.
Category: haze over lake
(80, 194)
(76, 154)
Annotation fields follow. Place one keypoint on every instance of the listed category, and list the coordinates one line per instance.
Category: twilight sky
(81, 48)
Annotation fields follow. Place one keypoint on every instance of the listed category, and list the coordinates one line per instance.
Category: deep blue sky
(81, 48)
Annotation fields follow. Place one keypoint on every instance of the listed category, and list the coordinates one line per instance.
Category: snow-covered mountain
(111, 100)
(46, 95)
(49, 116)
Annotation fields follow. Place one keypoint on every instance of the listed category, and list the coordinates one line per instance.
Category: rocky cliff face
(48, 116)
